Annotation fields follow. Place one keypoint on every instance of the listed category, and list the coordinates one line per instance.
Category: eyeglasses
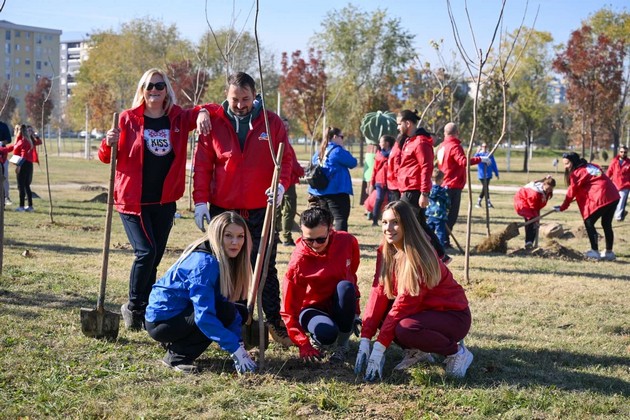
(320, 240)
(158, 86)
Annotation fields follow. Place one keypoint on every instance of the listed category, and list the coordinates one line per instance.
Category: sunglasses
(158, 86)
(320, 240)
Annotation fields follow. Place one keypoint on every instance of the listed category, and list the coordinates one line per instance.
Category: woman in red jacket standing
(414, 301)
(529, 200)
(597, 198)
(25, 148)
(151, 140)
(320, 296)
(619, 173)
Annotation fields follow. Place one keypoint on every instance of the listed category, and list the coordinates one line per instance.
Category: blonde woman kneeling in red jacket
(320, 296)
(414, 301)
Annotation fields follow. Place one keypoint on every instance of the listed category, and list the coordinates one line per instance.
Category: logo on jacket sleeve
(348, 262)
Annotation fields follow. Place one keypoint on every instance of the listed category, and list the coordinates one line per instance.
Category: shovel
(99, 323)
(511, 231)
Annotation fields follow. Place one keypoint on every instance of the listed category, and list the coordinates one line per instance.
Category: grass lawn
(550, 336)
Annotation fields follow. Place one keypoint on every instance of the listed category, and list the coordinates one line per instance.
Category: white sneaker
(412, 357)
(458, 363)
(591, 254)
(29, 209)
(608, 256)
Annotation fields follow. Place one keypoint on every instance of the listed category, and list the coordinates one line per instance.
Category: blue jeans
(147, 234)
(621, 207)
(325, 327)
(381, 193)
(439, 227)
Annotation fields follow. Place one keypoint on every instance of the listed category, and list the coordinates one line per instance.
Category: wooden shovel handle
(537, 218)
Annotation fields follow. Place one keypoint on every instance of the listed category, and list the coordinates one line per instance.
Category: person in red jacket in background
(379, 176)
(288, 209)
(414, 300)
(393, 162)
(596, 196)
(320, 296)
(234, 170)
(619, 173)
(25, 147)
(5, 148)
(529, 200)
(150, 140)
(415, 172)
(451, 160)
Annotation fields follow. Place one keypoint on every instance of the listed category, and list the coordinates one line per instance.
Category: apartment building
(73, 51)
(29, 53)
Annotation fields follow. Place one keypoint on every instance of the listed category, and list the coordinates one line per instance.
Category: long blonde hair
(417, 261)
(235, 274)
(170, 99)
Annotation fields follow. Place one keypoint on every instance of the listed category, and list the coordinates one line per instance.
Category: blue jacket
(485, 171)
(337, 166)
(439, 203)
(195, 279)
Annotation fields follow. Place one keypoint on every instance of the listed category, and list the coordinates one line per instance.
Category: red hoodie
(452, 162)
(311, 279)
(530, 199)
(379, 173)
(24, 149)
(416, 164)
(393, 162)
(448, 295)
(591, 188)
(619, 173)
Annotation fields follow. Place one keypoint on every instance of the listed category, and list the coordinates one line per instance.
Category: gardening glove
(309, 353)
(242, 361)
(279, 196)
(356, 325)
(375, 363)
(201, 213)
(556, 208)
(362, 355)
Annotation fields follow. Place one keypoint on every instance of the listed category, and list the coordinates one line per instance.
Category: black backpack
(315, 173)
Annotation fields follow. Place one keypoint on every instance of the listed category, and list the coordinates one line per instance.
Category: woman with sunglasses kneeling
(193, 304)
(414, 301)
(320, 296)
(151, 140)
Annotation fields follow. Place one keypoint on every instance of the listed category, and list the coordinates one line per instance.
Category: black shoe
(278, 332)
(187, 368)
(134, 320)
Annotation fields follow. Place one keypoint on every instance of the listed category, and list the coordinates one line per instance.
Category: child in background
(439, 204)
(529, 200)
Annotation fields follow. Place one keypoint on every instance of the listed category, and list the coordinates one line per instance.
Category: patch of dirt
(118, 245)
(92, 188)
(551, 249)
(101, 198)
(66, 226)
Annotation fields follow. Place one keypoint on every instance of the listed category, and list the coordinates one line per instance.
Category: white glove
(485, 159)
(279, 196)
(242, 361)
(201, 213)
(362, 355)
(375, 363)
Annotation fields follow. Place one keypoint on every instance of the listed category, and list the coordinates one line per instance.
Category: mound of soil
(551, 249)
(101, 198)
(92, 188)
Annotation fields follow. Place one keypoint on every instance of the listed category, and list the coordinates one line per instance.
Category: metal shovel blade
(100, 323)
(251, 334)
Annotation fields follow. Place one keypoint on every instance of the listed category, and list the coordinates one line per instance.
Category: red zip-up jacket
(24, 149)
(591, 188)
(297, 171)
(130, 157)
(379, 173)
(451, 161)
(311, 279)
(4, 152)
(530, 199)
(393, 162)
(233, 179)
(619, 173)
(448, 295)
(416, 164)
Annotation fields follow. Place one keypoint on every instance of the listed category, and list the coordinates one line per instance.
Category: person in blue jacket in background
(193, 304)
(337, 163)
(484, 173)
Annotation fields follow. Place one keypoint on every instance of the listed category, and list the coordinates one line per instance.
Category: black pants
(485, 189)
(186, 341)
(148, 235)
(456, 198)
(339, 206)
(255, 219)
(411, 198)
(606, 213)
(530, 231)
(24, 179)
